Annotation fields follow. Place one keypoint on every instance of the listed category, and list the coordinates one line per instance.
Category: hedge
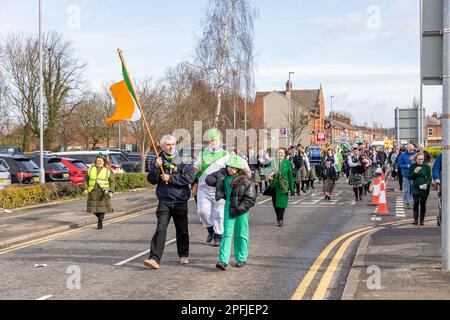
(434, 151)
(18, 196)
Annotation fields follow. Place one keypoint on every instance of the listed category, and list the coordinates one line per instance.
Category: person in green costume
(235, 186)
(210, 210)
(282, 181)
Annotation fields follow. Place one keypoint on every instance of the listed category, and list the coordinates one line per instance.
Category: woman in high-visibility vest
(99, 184)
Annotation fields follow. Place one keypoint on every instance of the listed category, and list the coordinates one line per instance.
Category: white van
(5, 177)
(88, 158)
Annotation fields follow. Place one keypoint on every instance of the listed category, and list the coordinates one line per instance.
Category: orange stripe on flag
(125, 105)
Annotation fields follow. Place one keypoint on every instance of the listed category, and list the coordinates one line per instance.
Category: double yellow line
(322, 288)
(69, 232)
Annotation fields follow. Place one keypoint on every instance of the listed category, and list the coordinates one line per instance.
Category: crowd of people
(225, 186)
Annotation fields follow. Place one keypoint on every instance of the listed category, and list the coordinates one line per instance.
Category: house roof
(309, 99)
(431, 121)
(342, 125)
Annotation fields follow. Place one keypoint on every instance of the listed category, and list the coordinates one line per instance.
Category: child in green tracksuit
(235, 186)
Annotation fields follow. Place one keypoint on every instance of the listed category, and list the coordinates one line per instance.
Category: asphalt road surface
(108, 263)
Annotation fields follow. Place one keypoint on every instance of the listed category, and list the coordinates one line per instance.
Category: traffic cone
(376, 192)
(382, 206)
(383, 181)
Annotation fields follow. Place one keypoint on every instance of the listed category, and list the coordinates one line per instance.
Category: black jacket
(179, 187)
(242, 198)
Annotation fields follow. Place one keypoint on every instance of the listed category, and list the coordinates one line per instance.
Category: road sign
(432, 41)
(321, 137)
(406, 124)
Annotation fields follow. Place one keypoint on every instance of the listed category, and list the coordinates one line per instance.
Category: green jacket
(423, 177)
(281, 197)
(96, 201)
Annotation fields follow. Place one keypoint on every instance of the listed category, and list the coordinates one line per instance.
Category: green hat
(101, 155)
(236, 162)
(214, 134)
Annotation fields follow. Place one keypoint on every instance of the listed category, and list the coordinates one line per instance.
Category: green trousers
(240, 227)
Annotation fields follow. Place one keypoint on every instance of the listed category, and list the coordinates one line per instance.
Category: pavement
(400, 263)
(31, 223)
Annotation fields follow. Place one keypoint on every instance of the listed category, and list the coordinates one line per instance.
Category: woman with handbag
(421, 177)
(281, 182)
(99, 185)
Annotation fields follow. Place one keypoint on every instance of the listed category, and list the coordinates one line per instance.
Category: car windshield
(113, 159)
(2, 168)
(27, 164)
(56, 165)
(8, 150)
(79, 164)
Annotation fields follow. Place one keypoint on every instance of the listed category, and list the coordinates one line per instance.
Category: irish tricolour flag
(126, 103)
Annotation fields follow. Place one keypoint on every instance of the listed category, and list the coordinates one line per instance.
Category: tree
(21, 67)
(299, 122)
(184, 90)
(226, 45)
(92, 113)
(62, 82)
(4, 112)
(152, 102)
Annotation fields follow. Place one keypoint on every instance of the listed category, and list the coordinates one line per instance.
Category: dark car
(22, 169)
(11, 150)
(55, 170)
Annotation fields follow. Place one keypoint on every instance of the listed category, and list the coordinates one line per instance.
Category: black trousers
(164, 212)
(400, 178)
(279, 211)
(421, 202)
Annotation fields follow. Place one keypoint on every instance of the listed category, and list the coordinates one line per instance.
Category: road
(284, 263)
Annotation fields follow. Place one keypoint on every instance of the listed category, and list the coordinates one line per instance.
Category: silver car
(5, 177)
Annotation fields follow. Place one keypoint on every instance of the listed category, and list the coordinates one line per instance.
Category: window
(430, 132)
(4, 165)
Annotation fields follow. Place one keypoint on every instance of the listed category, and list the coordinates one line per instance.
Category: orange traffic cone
(376, 191)
(382, 206)
(383, 180)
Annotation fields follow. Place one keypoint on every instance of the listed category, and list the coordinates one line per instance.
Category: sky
(365, 53)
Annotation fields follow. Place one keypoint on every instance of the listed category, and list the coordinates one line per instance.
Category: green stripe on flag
(128, 82)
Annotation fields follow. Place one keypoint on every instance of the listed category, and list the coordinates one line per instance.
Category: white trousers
(210, 211)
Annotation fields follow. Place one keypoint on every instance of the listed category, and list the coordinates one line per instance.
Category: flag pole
(140, 108)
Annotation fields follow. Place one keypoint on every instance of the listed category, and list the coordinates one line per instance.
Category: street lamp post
(288, 138)
(41, 112)
(331, 122)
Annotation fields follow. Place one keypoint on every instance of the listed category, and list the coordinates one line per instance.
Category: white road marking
(265, 201)
(121, 263)
(45, 297)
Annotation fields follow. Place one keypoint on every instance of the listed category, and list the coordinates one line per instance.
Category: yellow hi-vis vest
(101, 178)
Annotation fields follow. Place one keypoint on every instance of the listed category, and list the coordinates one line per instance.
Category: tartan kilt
(356, 180)
(298, 175)
(312, 173)
(256, 177)
(304, 175)
(368, 175)
(328, 185)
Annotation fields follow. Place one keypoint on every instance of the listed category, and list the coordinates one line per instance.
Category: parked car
(22, 169)
(88, 158)
(11, 149)
(55, 170)
(77, 170)
(5, 177)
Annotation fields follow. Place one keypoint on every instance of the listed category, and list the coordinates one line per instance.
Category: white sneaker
(151, 264)
(184, 260)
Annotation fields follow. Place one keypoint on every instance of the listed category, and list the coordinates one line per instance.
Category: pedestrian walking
(255, 168)
(233, 185)
(99, 186)
(329, 178)
(282, 181)
(173, 192)
(421, 177)
(404, 162)
(356, 178)
(210, 210)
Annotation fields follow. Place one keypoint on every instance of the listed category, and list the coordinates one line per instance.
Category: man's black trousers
(164, 212)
